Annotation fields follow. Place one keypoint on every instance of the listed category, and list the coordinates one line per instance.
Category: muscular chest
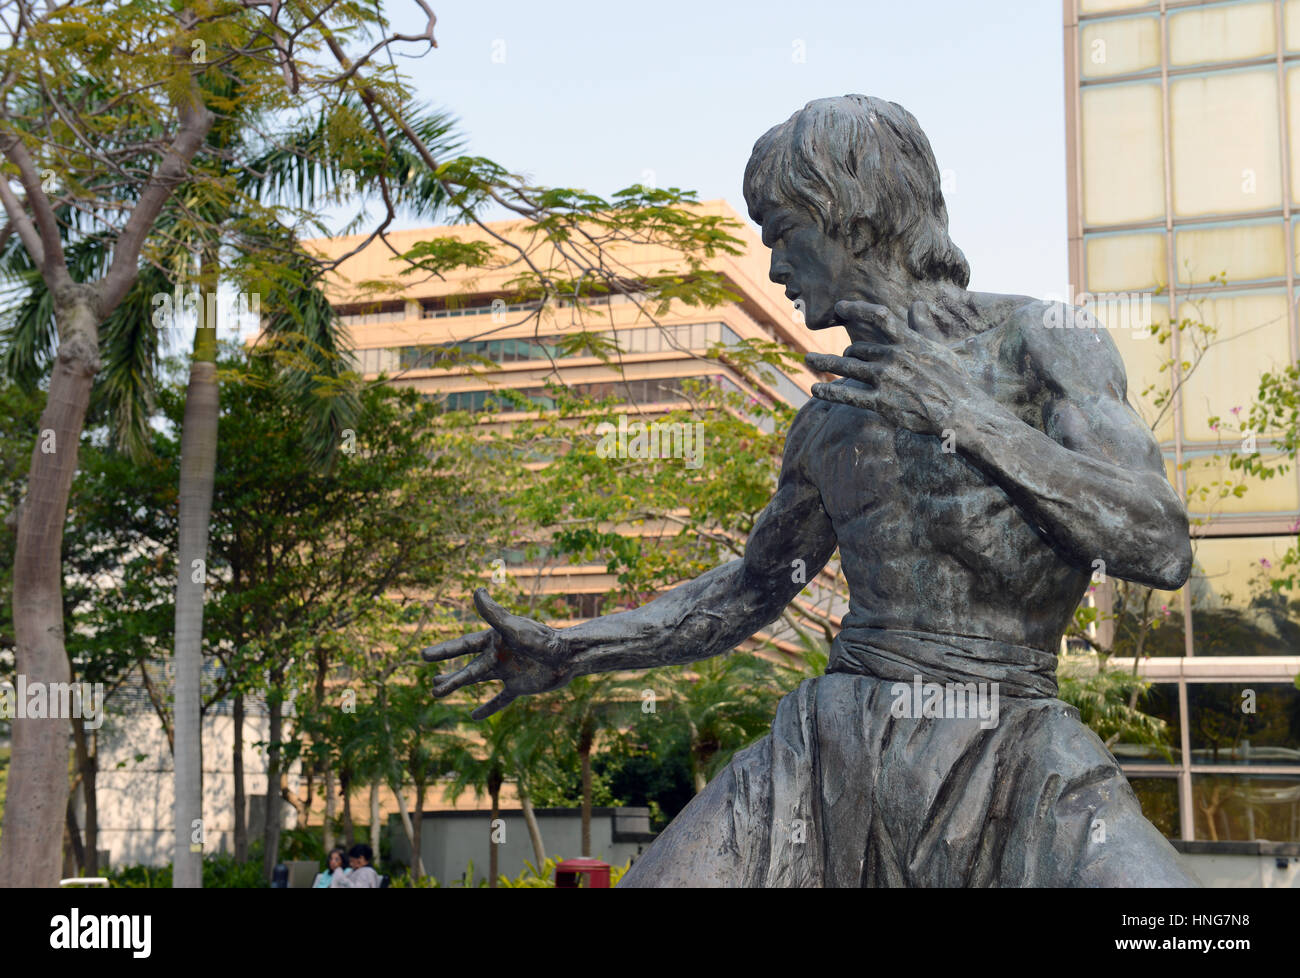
(893, 483)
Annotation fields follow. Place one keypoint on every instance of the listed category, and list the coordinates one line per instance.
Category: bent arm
(1095, 483)
(792, 539)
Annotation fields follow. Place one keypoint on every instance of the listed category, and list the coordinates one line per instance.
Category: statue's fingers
(844, 366)
(498, 702)
(464, 645)
(481, 669)
(842, 394)
(871, 352)
(871, 314)
(522, 634)
(920, 319)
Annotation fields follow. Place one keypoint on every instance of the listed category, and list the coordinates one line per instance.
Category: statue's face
(816, 269)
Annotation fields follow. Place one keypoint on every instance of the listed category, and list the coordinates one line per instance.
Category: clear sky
(595, 94)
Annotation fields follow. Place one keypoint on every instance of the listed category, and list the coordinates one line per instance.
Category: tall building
(473, 311)
(1183, 169)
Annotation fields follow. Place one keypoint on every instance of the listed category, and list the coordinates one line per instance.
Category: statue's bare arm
(791, 540)
(1094, 484)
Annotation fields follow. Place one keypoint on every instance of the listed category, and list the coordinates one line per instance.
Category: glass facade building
(463, 339)
(1183, 168)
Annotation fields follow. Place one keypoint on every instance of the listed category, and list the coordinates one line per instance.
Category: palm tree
(722, 704)
(580, 713)
(224, 212)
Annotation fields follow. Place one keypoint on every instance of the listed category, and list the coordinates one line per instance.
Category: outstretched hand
(526, 655)
(911, 380)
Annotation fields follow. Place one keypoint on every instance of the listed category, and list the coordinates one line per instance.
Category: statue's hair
(865, 172)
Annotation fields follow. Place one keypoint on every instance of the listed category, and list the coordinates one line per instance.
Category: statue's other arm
(1093, 481)
(701, 618)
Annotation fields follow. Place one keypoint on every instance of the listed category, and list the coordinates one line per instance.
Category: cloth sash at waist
(902, 655)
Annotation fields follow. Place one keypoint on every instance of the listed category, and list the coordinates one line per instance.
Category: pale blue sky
(593, 95)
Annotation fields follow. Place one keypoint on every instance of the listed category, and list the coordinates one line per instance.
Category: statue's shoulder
(1064, 344)
(807, 427)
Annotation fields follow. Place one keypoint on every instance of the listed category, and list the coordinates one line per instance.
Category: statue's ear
(861, 235)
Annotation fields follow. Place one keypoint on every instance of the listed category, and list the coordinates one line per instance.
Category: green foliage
(219, 872)
(302, 843)
(530, 878)
(1108, 701)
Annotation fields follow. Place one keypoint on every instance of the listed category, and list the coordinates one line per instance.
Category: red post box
(568, 871)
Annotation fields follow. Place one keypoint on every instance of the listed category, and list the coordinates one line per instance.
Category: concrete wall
(450, 840)
(135, 798)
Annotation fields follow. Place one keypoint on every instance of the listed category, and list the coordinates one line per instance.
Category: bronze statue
(972, 465)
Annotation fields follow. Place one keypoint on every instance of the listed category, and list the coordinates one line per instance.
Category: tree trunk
(87, 767)
(530, 819)
(585, 753)
(417, 834)
(374, 818)
(37, 794)
(237, 765)
(274, 803)
(345, 786)
(331, 805)
(494, 861)
(417, 864)
(198, 474)
(74, 853)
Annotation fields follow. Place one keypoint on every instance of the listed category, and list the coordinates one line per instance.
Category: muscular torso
(928, 541)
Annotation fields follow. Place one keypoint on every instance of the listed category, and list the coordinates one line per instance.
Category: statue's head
(847, 193)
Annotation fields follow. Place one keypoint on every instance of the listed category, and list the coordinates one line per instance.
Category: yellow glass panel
(1118, 262)
(1117, 47)
(1291, 25)
(1224, 136)
(1123, 155)
(1145, 363)
(1211, 487)
(1104, 6)
(1293, 117)
(1244, 30)
(1230, 571)
(1251, 251)
(1251, 338)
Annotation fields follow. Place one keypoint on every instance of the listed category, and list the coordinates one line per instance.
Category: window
(1244, 723)
(1235, 611)
(1224, 139)
(1123, 158)
(1159, 799)
(1246, 807)
(1119, 47)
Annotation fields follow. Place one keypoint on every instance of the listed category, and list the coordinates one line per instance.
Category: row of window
(1251, 335)
(1228, 724)
(441, 309)
(1217, 34)
(390, 312)
(1235, 609)
(694, 337)
(1224, 134)
(1225, 807)
(637, 391)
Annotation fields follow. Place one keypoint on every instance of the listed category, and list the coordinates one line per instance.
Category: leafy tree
(101, 116)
